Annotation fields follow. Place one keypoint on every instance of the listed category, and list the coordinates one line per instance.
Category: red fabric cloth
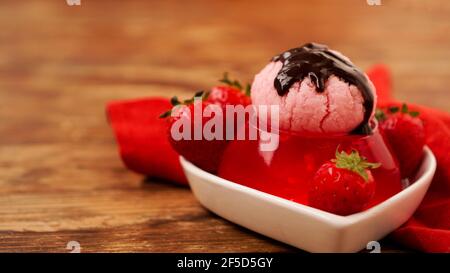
(429, 228)
(144, 148)
(142, 138)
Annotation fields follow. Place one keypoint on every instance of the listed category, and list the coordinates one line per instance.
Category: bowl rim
(330, 218)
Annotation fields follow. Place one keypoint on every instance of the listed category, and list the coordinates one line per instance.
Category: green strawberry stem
(380, 114)
(354, 162)
(174, 101)
(235, 83)
(248, 89)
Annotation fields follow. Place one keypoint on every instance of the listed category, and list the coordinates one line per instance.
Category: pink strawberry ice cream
(339, 108)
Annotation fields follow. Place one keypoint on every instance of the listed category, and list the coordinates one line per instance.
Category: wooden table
(61, 178)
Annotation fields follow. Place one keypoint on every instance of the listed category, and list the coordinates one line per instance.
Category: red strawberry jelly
(287, 171)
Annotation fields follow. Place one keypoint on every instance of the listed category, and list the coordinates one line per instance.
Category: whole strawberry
(344, 185)
(405, 133)
(186, 134)
(205, 152)
(232, 93)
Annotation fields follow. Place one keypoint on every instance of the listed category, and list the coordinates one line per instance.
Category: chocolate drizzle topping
(318, 63)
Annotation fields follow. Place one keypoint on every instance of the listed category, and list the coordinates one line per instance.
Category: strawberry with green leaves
(344, 185)
(205, 154)
(405, 133)
(231, 93)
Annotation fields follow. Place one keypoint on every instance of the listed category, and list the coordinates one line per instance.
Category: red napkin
(429, 228)
(144, 148)
(142, 138)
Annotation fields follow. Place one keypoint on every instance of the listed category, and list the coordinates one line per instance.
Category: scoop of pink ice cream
(338, 109)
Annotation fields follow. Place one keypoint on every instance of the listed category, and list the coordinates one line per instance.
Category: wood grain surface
(60, 175)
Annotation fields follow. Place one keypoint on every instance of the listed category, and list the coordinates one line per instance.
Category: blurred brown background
(60, 176)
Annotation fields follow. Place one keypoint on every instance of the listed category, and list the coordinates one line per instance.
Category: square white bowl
(302, 226)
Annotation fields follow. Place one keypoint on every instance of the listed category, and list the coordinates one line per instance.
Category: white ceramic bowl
(305, 227)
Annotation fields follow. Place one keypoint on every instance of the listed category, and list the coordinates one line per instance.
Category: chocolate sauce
(318, 63)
